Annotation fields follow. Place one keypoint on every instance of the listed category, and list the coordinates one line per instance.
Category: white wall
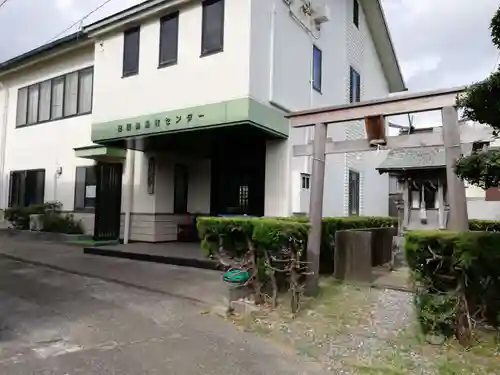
(48, 145)
(280, 67)
(193, 81)
(363, 57)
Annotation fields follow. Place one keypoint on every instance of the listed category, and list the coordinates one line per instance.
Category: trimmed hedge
(270, 234)
(458, 278)
(235, 229)
(53, 220)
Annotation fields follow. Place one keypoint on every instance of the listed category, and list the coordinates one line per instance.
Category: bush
(61, 223)
(260, 246)
(484, 225)
(19, 217)
(458, 277)
(53, 220)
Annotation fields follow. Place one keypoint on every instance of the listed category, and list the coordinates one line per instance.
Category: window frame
(305, 177)
(354, 92)
(25, 122)
(355, 13)
(78, 97)
(317, 52)
(78, 186)
(212, 51)
(37, 85)
(357, 189)
(127, 32)
(61, 77)
(163, 20)
(22, 185)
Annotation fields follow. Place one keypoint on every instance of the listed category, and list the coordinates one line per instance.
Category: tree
(481, 103)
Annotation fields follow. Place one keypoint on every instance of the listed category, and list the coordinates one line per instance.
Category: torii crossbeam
(451, 139)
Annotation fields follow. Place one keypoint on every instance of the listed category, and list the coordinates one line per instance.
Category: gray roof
(413, 158)
(42, 50)
(419, 158)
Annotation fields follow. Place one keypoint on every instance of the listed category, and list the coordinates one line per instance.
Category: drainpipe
(271, 53)
(130, 194)
(3, 142)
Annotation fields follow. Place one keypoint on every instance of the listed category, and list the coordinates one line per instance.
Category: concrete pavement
(61, 323)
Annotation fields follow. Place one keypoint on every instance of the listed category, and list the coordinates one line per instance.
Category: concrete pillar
(442, 224)
(456, 190)
(316, 207)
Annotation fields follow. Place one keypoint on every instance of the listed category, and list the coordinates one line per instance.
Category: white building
(181, 104)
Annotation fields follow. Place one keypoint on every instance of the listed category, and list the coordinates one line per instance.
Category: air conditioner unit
(36, 223)
(321, 14)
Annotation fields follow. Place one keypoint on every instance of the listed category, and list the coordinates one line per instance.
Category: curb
(175, 261)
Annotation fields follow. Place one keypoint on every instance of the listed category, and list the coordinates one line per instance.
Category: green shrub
(53, 220)
(484, 225)
(61, 223)
(19, 217)
(458, 276)
(233, 234)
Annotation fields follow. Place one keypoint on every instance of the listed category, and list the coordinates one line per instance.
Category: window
(56, 98)
(355, 86)
(22, 106)
(33, 94)
(305, 181)
(212, 37)
(26, 188)
(131, 40)
(71, 94)
(44, 110)
(85, 87)
(317, 65)
(354, 181)
(243, 198)
(85, 188)
(169, 39)
(424, 195)
(181, 181)
(355, 13)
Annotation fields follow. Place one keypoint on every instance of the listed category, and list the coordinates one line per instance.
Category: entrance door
(238, 178)
(108, 201)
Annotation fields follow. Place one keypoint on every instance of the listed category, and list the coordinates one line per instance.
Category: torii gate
(374, 113)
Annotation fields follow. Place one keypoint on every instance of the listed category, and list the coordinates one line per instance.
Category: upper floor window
(354, 193)
(317, 67)
(355, 86)
(57, 98)
(212, 38)
(355, 13)
(169, 35)
(131, 39)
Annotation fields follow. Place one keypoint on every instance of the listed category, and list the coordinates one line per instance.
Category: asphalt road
(58, 323)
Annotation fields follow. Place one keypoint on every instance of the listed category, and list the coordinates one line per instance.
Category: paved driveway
(55, 322)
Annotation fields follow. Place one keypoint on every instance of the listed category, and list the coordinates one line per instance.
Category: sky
(439, 43)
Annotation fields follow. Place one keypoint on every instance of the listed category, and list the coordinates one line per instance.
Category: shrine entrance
(374, 114)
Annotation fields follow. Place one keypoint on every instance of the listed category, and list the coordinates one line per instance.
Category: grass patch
(336, 328)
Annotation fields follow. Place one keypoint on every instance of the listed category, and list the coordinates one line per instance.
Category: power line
(3, 3)
(78, 21)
